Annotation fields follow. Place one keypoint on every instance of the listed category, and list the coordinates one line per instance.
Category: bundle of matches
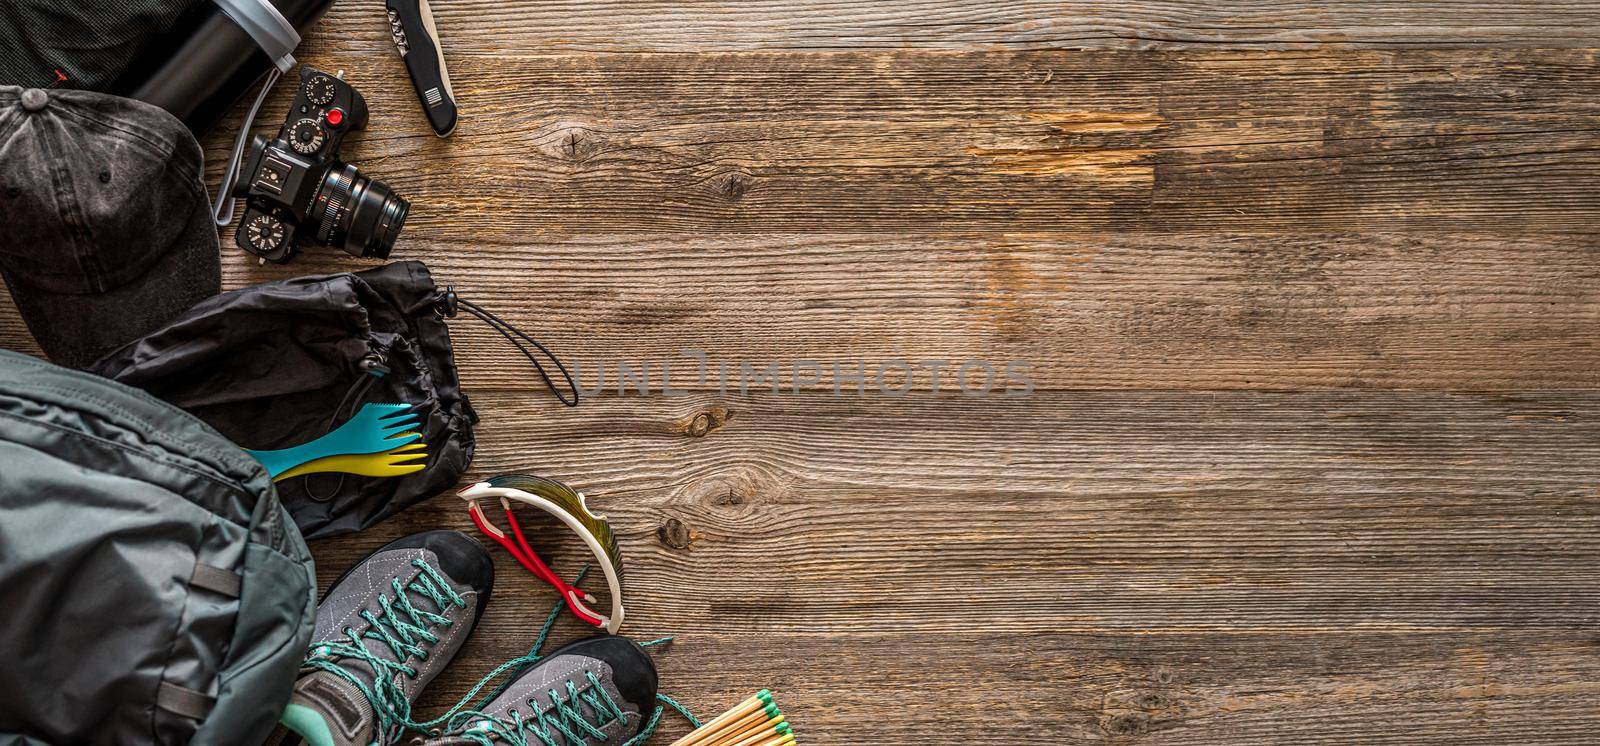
(754, 722)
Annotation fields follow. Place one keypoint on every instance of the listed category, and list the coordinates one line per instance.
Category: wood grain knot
(745, 489)
(703, 422)
(728, 499)
(733, 185)
(675, 533)
(1140, 710)
(700, 425)
(576, 144)
(1126, 724)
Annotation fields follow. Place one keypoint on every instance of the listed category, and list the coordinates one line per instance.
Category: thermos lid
(270, 30)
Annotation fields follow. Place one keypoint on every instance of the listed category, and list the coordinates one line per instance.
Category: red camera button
(335, 117)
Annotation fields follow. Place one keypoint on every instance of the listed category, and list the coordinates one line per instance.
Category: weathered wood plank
(1170, 311)
(1304, 512)
(1095, 510)
(487, 27)
(1284, 566)
(1477, 141)
(1071, 311)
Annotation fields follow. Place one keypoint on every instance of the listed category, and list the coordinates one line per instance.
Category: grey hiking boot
(599, 691)
(386, 629)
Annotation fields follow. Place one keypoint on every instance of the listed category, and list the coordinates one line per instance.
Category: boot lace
(394, 711)
(405, 629)
(562, 723)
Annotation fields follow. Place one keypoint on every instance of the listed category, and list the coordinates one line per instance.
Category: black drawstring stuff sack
(281, 363)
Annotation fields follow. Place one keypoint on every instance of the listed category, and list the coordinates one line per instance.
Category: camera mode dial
(306, 136)
(318, 90)
(265, 233)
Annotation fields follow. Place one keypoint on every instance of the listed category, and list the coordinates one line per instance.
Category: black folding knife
(411, 23)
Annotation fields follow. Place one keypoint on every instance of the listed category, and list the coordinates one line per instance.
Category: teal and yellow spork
(379, 441)
(394, 462)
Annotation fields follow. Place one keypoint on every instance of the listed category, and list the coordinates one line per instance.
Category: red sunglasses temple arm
(530, 560)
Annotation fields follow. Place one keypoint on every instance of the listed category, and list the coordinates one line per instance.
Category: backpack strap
(216, 580)
(183, 701)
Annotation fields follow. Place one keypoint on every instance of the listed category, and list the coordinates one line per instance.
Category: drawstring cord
(375, 366)
(448, 303)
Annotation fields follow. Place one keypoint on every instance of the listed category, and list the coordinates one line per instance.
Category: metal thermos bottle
(207, 62)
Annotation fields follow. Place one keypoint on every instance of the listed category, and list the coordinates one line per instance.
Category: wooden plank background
(1308, 295)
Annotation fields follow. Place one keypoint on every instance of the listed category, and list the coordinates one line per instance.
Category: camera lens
(358, 214)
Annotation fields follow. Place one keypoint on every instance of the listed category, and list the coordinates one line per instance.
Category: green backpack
(152, 589)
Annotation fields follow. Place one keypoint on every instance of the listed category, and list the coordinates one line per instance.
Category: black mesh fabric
(81, 44)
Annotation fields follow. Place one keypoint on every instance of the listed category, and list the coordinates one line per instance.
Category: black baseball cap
(107, 230)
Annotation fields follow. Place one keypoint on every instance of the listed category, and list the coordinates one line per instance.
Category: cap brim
(75, 330)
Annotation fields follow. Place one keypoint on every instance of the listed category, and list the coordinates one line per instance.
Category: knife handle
(417, 39)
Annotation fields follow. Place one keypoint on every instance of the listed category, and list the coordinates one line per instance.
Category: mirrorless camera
(298, 191)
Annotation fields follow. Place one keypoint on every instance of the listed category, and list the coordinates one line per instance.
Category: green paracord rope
(401, 626)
